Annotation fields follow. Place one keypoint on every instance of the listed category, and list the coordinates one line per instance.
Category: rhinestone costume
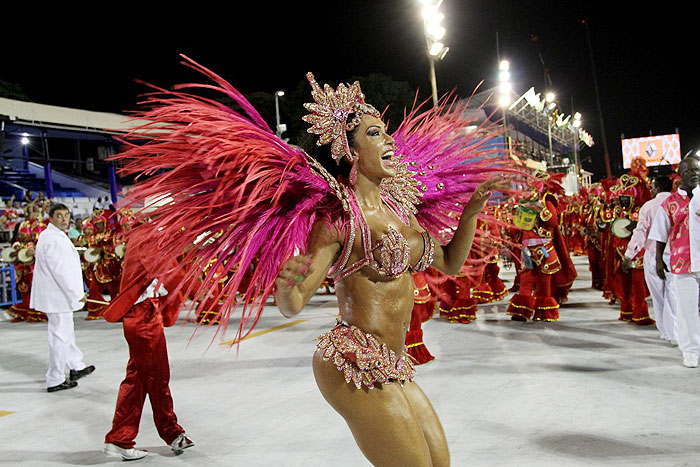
(363, 359)
(393, 252)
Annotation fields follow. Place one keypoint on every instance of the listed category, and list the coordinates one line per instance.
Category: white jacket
(57, 285)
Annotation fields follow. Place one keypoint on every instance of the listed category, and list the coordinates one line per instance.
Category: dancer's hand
(484, 191)
(626, 264)
(293, 273)
(661, 269)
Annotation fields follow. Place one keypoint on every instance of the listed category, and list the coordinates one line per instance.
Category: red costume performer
(27, 236)
(491, 288)
(546, 272)
(424, 305)
(593, 229)
(630, 287)
(148, 370)
(103, 274)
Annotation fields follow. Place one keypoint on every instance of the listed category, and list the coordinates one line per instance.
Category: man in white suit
(57, 290)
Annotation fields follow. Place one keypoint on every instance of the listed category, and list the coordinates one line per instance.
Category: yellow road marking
(260, 333)
(5, 412)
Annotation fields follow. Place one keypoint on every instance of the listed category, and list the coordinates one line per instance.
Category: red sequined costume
(424, 306)
(27, 236)
(103, 275)
(546, 272)
(630, 193)
(491, 288)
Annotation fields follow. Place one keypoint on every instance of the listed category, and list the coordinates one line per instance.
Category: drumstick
(99, 302)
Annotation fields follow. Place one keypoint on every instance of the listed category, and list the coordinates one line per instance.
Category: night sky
(645, 58)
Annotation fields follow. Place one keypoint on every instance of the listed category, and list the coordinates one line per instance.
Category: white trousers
(686, 288)
(62, 349)
(661, 297)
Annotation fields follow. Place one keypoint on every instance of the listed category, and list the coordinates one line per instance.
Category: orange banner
(655, 150)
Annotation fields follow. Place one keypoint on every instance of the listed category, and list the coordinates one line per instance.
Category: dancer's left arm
(451, 257)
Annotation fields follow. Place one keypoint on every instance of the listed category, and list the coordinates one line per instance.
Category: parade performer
(27, 236)
(57, 290)
(629, 287)
(144, 306)
(103, 270)
(677, 223)
(491, 288)
(661, 295)
(424, 306)
(593, 230)
(546, 271)
(378, 209)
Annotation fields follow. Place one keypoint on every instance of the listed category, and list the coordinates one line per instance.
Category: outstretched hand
(293, 273)
(484, 191)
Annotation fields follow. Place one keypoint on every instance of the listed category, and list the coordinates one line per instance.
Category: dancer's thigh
(382, 420)
(430, 424)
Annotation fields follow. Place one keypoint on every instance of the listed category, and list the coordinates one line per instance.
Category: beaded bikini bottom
(363, 359)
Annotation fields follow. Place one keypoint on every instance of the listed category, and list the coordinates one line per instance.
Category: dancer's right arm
(302, 275)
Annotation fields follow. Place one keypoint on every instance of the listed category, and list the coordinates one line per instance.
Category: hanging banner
(655, 150)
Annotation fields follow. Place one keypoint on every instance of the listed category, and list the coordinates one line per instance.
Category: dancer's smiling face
(374, 148)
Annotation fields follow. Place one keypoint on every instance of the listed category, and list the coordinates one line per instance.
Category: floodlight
(435, 31)
(504, 75)
(436, 48)
(504, 65)
(549, 97)
(25, 140)
(504, 100)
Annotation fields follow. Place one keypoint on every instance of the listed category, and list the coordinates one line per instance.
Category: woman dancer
(242, 194)
(394, 424)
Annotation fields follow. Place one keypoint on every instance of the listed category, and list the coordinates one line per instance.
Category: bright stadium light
(436, 48)
(504, 65)
(25, 139)
(434, 33)
(550, 96)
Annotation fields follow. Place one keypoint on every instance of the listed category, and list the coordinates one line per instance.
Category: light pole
(278, 127)
(504, 95)
(434, 33)
(549, 97)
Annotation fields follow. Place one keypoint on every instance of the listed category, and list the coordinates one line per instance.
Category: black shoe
(64, 385)
(75, 375)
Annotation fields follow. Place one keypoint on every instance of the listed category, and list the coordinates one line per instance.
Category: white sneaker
(181, 443)
(690, 360)
(130, 454)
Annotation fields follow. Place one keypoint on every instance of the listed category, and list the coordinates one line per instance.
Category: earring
(353, 172)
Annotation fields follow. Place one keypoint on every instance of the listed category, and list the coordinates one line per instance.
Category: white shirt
(151, 291)
(661, 228)
(57, 285)
(640, 235)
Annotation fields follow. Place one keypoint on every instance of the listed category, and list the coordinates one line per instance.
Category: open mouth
(389, 155)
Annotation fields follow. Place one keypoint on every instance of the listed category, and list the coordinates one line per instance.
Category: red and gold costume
(424, 306)
(491, 288)
(594, 229)
(27, 236)
(546, 271)
(630, 288)
(102, 232)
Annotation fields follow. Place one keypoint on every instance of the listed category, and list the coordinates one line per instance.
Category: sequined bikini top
(389, 257)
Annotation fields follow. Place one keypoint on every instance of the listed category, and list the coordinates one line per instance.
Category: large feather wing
(223, 193)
